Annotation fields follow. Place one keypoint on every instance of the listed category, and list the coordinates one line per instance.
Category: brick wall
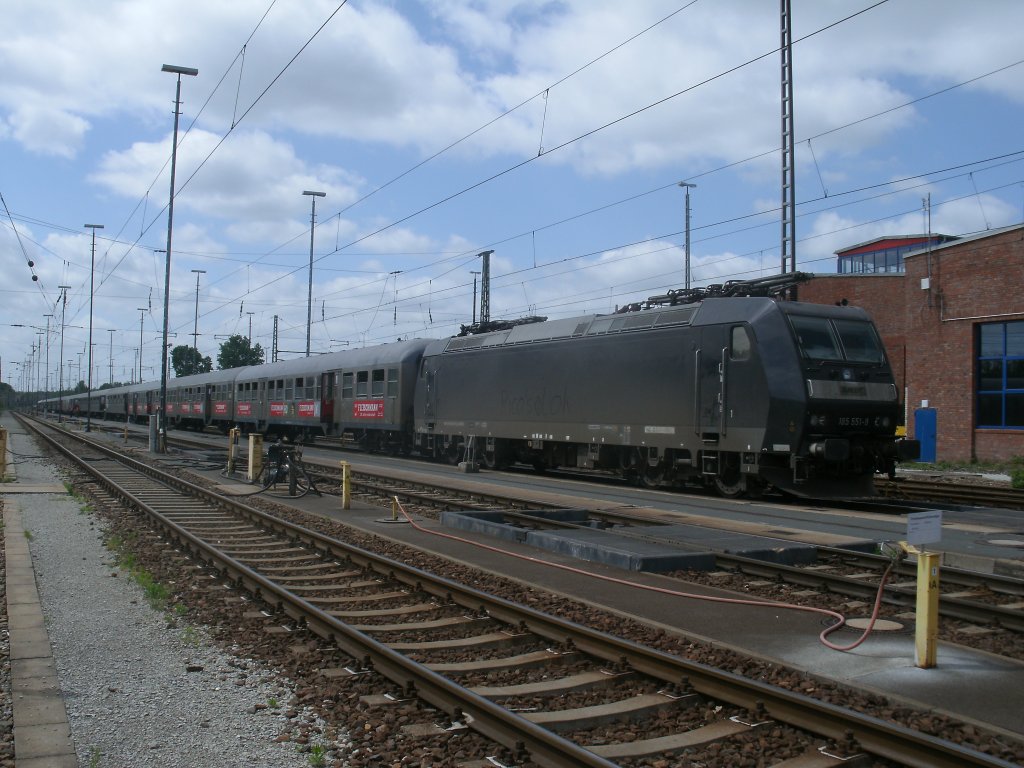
(929, 334)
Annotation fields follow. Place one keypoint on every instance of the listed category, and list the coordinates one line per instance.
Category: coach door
(327, 397)
(207, 405)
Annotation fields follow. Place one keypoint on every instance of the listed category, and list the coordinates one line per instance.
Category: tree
(188, 360)
(238, 351)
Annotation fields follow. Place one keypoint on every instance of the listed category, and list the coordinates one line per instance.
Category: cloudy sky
(553, 133)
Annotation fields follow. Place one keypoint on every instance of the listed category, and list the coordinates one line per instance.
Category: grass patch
(28, 534)
(317, 755)
(157, 594)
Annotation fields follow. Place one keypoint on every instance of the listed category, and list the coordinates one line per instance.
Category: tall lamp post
(142, 316)
(195, 330)
(92, 273)
(60, 383)
(161, 446)
(687, 186)
(46, 388)
(309, 298)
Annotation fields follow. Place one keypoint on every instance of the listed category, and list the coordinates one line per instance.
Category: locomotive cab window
(816, 338)
(860, 343)
(739, 343)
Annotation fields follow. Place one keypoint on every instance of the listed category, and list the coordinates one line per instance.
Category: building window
(999, 377)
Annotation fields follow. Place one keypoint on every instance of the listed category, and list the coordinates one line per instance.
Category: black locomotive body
(731, 392)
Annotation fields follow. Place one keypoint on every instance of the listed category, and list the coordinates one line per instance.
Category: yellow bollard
(233, 434)
(926, 632)
(346, 485)
(255, 457)
(394, 508)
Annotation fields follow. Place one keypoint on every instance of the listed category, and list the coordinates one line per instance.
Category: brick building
(953, 326)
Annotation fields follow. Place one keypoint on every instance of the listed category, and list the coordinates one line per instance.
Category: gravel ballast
(140, 689)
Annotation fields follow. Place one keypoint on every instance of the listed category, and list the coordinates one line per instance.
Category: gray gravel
(123, 667)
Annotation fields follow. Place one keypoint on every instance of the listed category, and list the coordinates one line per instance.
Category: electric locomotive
(735, 393)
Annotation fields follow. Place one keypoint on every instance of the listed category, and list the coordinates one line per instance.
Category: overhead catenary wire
(568, 143)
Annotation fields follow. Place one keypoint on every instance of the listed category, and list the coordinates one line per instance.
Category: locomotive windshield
(822, 339)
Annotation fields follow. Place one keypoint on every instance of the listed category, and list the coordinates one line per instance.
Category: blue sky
(441, 129)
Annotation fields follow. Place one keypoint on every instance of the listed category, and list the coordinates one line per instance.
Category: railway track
(984, 600)
(902, 488)
(547, 690)
(941, 491)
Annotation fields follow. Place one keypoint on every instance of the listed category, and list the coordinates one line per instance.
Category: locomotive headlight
(814, 420)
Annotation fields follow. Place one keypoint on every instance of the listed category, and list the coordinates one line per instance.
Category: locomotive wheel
(730, 482)
(652, 477)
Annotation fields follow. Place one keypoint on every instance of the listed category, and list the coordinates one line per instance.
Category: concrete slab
(50, 742)
(29, 642)
(40, 666)
(26, 615)
(19, 594)
(40, 707)
(679, 546)
(30, 488)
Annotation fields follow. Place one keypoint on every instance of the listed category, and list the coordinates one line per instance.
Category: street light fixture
(687, 185)
(309, 298)
(92, 273)
(161, 446)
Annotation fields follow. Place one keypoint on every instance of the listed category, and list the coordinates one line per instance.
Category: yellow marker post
(394, 508)
(346, 485)
(926, 631)
(925, 528)
(255, 457)
(233, 434)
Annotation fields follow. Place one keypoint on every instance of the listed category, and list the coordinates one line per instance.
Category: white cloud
(48, 131)
(251, 178)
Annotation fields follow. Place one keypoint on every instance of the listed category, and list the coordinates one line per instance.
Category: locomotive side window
(739, 343)
(815, 337)
(859, 341)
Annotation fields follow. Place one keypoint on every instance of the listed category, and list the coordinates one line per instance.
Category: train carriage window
(346, 386)
(392, 382)
(739, 343)
(362, 383)
(860, 343)
(288, 388)
(816, 338)
(378, 383)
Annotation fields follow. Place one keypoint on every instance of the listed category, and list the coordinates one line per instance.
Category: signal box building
(953, 325)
